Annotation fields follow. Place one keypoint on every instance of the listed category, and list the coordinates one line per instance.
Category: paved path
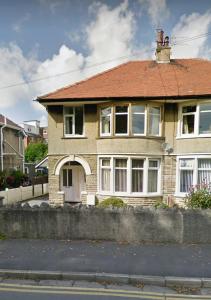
(108, 257)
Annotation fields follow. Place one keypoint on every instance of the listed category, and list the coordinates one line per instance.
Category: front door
(70, 184)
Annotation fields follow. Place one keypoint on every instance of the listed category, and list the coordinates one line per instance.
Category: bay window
(195, 120)
(194, 171)
(73, 121)
(129, 176)
(130, 119)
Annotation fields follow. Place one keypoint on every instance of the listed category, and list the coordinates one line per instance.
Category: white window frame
(148, 117)
(105, 168)
(196, 133)
(129, 192)
(122, 114)
(73, 118)
(111, 121)
(195, 171)
(139, 113)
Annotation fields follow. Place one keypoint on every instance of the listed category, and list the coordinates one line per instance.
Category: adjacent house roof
(9, 123)
(143, 79)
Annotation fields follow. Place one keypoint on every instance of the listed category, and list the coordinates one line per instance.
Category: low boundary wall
(123, 224)
(12, 196)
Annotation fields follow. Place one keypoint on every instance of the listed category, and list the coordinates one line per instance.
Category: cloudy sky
(52, 43)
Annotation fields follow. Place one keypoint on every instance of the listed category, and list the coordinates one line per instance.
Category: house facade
(140, 131)
(12, 146)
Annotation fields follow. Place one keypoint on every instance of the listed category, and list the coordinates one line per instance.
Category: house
(140, 131)
(33, 133)
(12, 149)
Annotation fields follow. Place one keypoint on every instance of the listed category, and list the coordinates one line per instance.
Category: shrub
(160, 204)
(199, 197)
(112, 201)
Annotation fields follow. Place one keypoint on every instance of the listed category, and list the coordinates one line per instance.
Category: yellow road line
(34, 291)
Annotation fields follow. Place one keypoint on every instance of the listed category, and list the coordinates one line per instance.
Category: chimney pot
(163, 50)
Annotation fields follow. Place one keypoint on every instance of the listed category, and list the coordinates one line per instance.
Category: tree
(35, 152)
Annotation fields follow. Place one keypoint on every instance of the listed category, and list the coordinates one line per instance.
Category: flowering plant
(199, 196)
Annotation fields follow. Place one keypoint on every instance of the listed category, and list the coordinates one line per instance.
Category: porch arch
(72, 158)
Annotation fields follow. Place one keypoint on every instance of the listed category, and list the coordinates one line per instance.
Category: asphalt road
(108, 257)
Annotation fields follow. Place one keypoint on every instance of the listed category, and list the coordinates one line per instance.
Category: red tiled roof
(9, 123)
(179, 78)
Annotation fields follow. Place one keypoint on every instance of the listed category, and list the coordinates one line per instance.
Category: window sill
(193, 137)
(180, 195)
(130, 195)
(74, 137)
(131, 137)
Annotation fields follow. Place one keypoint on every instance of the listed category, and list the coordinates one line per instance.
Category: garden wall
(124, 224)
(12, 196)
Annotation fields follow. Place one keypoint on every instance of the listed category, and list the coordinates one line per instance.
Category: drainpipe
(2, 143)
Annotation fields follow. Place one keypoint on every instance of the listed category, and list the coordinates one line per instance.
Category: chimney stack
(163, 50)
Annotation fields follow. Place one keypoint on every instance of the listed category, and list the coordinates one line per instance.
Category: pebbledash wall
(131, 224)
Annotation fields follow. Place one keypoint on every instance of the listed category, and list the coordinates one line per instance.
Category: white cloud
(189, 26)
(157, 10)
(17, 27)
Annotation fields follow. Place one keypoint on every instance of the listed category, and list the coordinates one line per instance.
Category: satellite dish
(167, 147)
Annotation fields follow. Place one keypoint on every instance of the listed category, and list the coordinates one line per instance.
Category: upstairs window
(106, 121)
(121, 120)
(205, 119)
(73, 121)
(154, 120)
(138, 119)
(188, 119)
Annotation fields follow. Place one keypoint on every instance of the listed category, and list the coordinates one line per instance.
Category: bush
(160, 204)
(112, 201)
(199, 197)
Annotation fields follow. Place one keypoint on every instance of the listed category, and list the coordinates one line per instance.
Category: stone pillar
(169, 178)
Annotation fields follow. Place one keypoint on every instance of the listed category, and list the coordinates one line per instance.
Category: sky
(47, 44)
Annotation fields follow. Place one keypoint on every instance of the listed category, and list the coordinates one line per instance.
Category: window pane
(120, 180)
(106, 124)
(79, 120)
(188, 124)
(121, 163)
(205, 122)
(69, 177)
(121, 109)
(154, 120)
(106, 111)
(121, 124)
(138, 121)
(137, 163)
(68, 110)
(138, 109)
(204, 107)
(153, 163)
(152, 181)
(65, 177)
(204, 163)
(186, 180)
(68, 125)
(137, 181)
(105, 180)
(187, 163)
(204, 176)
(106, 162)
(189, 109)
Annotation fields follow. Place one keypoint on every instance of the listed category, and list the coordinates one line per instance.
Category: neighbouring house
(42, 166)
(12, 148)
(33, 132)
(44, 133)
(140, 131)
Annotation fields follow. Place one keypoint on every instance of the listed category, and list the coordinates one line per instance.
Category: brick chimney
(163, 50)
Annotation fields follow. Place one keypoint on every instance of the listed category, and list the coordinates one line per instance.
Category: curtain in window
(152, 181)
(204, 171)
(137, 175)
(106, 179)
(106, 120)
(121, 175)
(186, 180)
(154, 120)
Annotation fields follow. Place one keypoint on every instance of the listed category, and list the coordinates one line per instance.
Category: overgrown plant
(160, 204)
(112, 201)
(199, 196)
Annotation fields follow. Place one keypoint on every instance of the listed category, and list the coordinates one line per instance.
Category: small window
(188, 119)
(121, 120)
(153, 176)
(186, 174)
(67, 177)
(106, 121)
(204, 172)
(205, 119)
(138, 119)
(154, 121)
(73, 120)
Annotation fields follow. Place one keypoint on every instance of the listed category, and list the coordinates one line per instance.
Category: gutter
(2, 143)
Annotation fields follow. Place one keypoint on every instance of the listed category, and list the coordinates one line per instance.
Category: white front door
(71, 184)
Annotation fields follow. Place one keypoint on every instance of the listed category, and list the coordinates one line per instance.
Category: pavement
(100, 261)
